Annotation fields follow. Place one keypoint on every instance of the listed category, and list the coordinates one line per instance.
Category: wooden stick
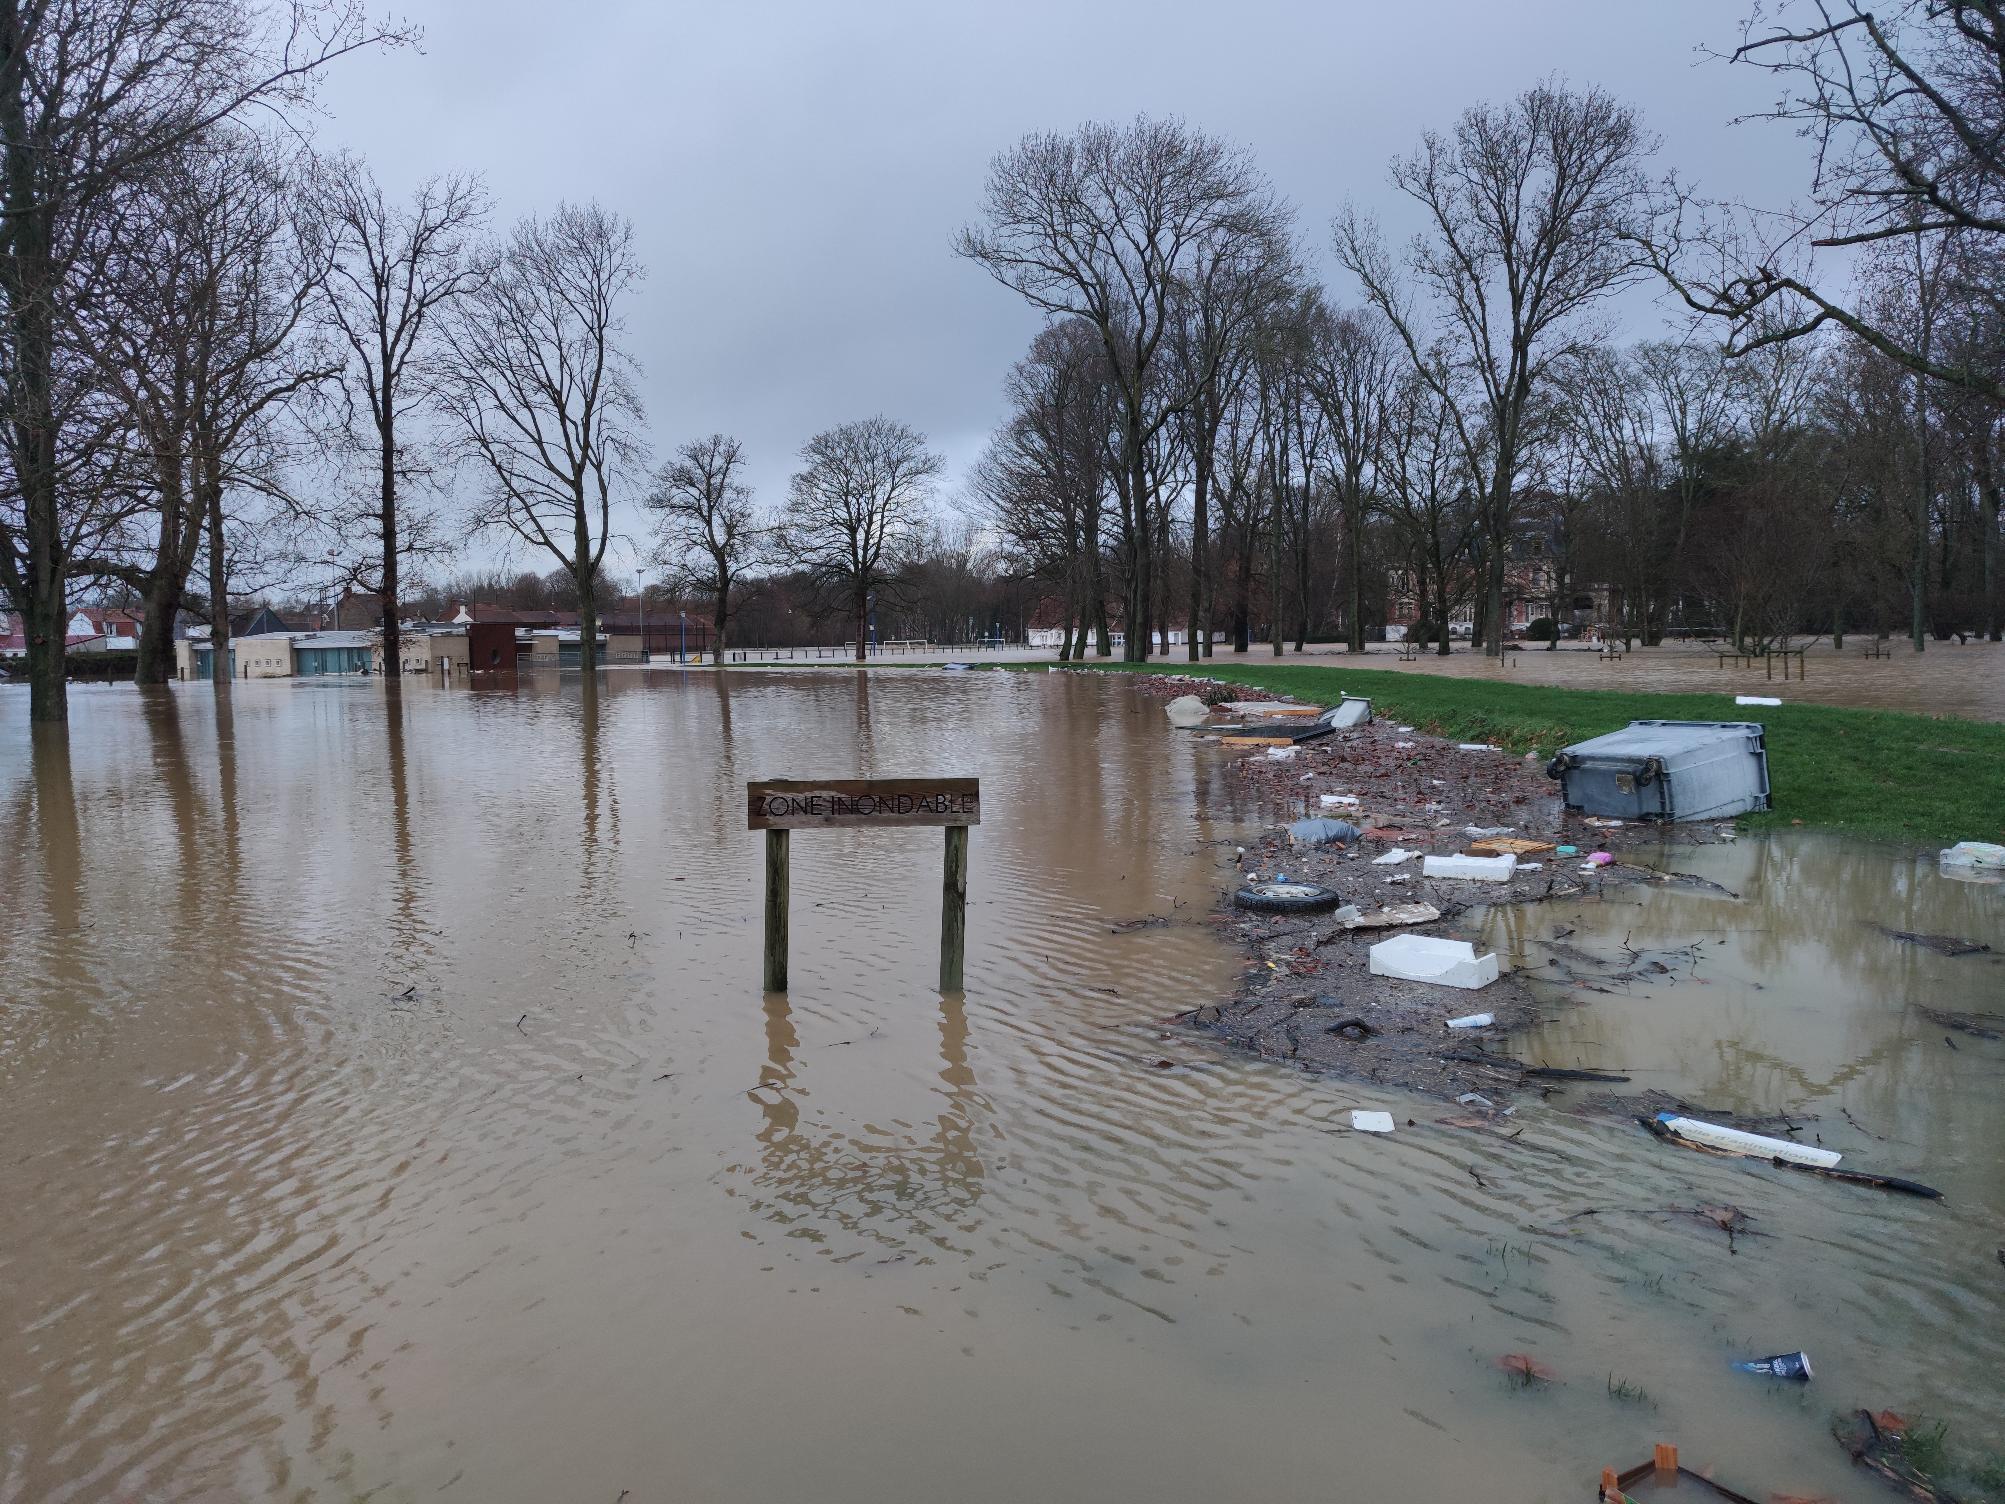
(776, 910)
(954, 909)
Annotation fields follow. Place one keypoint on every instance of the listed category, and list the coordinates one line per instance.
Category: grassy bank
(1872, 772)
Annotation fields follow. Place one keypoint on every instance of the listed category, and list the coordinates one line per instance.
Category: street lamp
(640, 582)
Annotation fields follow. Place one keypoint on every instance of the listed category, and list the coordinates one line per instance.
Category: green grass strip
(1881, 773)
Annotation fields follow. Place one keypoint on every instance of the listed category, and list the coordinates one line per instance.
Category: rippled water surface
(389, 1110)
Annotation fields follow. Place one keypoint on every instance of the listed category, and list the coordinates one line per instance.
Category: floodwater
(1964, 679)
(389, 1110)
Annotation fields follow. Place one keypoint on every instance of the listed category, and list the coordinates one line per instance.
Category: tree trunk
(1494, 636)
(588, 628)
(162, 604)
(1139, 580)
(25, 275)
(1420, 600)
(862, 624)
(1354, 517)
(221, 670)
(1441, 589)
(1302, 582)
(1200, 547)
(585, 575)
(720, 621)
(393, 658)
(1095, 603)
(1918, 586)
(1274, 612)
(1992, 625)
(1242, 602)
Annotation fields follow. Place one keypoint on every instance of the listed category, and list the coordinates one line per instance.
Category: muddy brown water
(388, 1110)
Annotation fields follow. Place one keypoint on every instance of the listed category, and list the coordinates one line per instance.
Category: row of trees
(226, 358)
(1196, 405)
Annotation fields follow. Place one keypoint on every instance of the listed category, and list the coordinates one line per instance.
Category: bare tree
(1524, 204)
(1219, 315)
(544, 400)
(1904, 104)
(1690, 387)
(1426, 488)
(709, 532)
(1353, 371)
(1109, 224)
(93, 93)
(202, 337)
(388, 272)
(861, 495)
(1044, 474)
(1613, 459)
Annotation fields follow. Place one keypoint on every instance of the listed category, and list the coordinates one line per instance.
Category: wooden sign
(780, 805)
(836, 803)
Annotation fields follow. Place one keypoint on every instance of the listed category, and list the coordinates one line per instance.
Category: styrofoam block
(1481, 869)
(1429, 958)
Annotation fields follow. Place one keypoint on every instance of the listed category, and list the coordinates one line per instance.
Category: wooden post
(776, 910)
(1665, 1459)
(954, 909)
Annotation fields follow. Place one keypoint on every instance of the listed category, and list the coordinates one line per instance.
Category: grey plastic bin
(1667, 770)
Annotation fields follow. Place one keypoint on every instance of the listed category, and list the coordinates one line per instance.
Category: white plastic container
(1429, 958)
(1480, 869)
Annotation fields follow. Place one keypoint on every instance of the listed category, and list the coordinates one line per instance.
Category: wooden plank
(777, 886)
(1507, 846)
(841, 803)
(1281, 734)
(954, 909)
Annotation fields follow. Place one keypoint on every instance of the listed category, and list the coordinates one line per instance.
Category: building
(1531, 581)
(267, 656)
(673, 635)
(425, 648)
(319, 655)
(97, 629)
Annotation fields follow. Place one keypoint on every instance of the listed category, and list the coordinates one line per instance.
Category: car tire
(1287, 898)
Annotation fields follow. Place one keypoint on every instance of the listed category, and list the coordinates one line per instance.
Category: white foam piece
(1480, 869)
(1429, 958)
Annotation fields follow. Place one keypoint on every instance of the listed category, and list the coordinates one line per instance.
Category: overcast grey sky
(795, 171)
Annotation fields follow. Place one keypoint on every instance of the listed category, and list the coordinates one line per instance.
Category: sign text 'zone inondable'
(814, 804)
